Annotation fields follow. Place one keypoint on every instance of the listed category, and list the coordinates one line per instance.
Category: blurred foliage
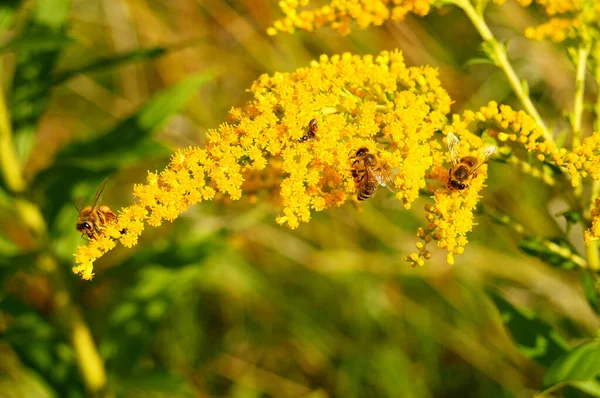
(223, 302)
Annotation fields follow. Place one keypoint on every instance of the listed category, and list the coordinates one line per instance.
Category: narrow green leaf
(132, 135)
(590, 387)
(589, 281)
(125, 144)
(580, 364)
(53, 41)
(477, 61)
(554, 251)
(7, 12)
(34, 68)
(111, 61)
(533, 336)
(7, 247)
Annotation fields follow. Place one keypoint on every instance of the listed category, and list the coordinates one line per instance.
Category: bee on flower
(463, 168)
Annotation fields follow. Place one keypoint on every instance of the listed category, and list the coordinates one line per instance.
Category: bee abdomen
(366, 192)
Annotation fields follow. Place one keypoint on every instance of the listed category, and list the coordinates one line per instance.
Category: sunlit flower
(594, 232)
(451, 215)
(340, 14)
(374, 102)
(568, 19)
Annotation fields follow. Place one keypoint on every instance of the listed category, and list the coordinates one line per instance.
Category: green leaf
(7, 247)
(35, 43)
(157, 382)
(533, 336)
(7, 12)
(589, 282)
(104, 63)
(554, 251)
(34, 68)
(477, 61)
(571, 216)
(131, 137)
(130, 141)
(581, 364)
(590, 387)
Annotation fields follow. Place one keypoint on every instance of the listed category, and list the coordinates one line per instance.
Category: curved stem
(581, 62)
(67, 313)
(591, 247)
(500, 58)
(9, 163)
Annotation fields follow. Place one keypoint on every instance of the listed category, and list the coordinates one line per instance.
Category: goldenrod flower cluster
(506, 125)
(594, 232)
(374, 102)
(583, 161)
(339, 14)
(568, 19)
(450, 219)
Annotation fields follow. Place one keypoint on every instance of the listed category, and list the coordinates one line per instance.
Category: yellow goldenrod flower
(374, 102)
(583, 161)
(339, 14)
(594, 232)
(450, 218)
(509, 126)
(568, 19)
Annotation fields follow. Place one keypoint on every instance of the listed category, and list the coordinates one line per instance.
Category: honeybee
(311, 131)
(93, 218)
(463, 168)
(368, 173)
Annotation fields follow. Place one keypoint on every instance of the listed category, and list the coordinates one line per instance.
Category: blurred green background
(223, 302)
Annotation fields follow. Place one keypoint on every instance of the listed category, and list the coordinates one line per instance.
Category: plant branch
(591, 247)
(68, 315)
(581, 61)
(500, 59)
(9, 164)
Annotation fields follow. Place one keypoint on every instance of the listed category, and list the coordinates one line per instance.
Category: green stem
(581, 62)
(500, 58)
(69, 316)
(9, 164)
(591, 247)
(66, 311)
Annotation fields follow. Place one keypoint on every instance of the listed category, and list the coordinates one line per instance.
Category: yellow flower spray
(373, 102)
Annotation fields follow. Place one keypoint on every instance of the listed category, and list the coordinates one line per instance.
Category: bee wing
(384, 178)
(483, 156)
(79, 203)
(98, 195)
(453, 147)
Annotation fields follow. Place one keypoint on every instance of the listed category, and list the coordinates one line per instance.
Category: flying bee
(464, 168)
(92, 218)
(368, 173)
(311, 131)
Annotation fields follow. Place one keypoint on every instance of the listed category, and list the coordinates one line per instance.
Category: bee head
(84, 226)
(457, 185)
(362, 151)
